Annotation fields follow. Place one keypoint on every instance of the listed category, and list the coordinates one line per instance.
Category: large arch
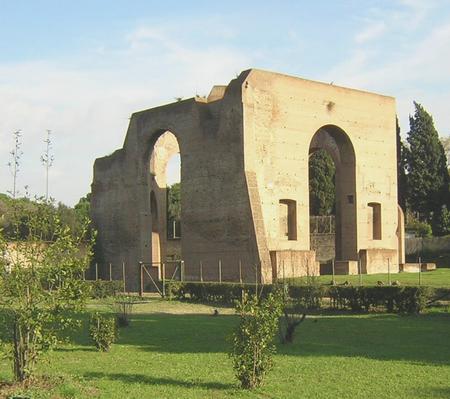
(336, 142)
(163, 146)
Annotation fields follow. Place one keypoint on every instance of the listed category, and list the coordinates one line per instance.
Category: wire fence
(152, 277)
(322, 224)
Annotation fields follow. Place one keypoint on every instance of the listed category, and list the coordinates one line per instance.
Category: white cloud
(402, 53)
(87, 104)
(372, 31)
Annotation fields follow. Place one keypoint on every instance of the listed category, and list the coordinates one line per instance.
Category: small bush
(252, 340)
(175, 290)
(104, 289)
(308, 297)
(102, 330)
(412, 300)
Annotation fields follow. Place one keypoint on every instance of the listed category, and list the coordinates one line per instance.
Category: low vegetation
(399, 299)
(179, 350)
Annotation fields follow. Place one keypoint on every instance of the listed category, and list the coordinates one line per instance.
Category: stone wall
(324, 246)
(417, 245)
(244, 154)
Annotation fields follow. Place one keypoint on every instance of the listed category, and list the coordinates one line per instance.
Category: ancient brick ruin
(244, 181)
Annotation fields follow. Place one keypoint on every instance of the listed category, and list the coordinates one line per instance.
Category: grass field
(436, 278)
(178, 350)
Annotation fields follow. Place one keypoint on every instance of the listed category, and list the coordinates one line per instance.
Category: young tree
(252, 340)
(40, 283)
(14, 164)
(321, 183)
(47, 160)
(428, 178)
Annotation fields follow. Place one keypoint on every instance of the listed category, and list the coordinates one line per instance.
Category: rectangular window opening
(288, 219)
(375, 220)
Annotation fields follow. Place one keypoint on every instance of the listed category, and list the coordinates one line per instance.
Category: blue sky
(80, 68)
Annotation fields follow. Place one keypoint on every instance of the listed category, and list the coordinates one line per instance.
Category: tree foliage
(428, 177)
(402, 154)
(73, 218)
(41, 282)
(174, 202)
(446, 144)
(174, 211)
(321, 183)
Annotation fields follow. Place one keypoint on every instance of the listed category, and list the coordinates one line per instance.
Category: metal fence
(322, 224)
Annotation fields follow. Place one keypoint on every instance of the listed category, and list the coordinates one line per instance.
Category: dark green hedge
(225, 293)
(104, 288)
(399, 299)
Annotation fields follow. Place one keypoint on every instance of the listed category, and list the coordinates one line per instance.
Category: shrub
(102, 330)
(307, 296)
(311, 297)
(104, 289)
(213, 292)
(390, 298)
(175, 290)
(252, 340)
(412, 300)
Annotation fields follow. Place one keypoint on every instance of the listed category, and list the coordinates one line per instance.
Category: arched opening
(164, 184)
(335, 198)
(322, 205)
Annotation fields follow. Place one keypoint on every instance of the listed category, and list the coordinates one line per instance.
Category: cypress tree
(401, 169)
(321, 183)
(428, 176)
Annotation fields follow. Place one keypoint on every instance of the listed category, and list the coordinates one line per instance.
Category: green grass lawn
(178, 350)
(435, 278)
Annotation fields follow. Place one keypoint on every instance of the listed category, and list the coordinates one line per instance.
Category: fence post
(141, 278)
(359, 271)
(240, 271)
(182, 270)
(110, 272)
(420, 270)
(163, 266)
(123, 277)
(332, 271)
(201, 271)
(220, 270)
(389, 271)
(96, 271)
